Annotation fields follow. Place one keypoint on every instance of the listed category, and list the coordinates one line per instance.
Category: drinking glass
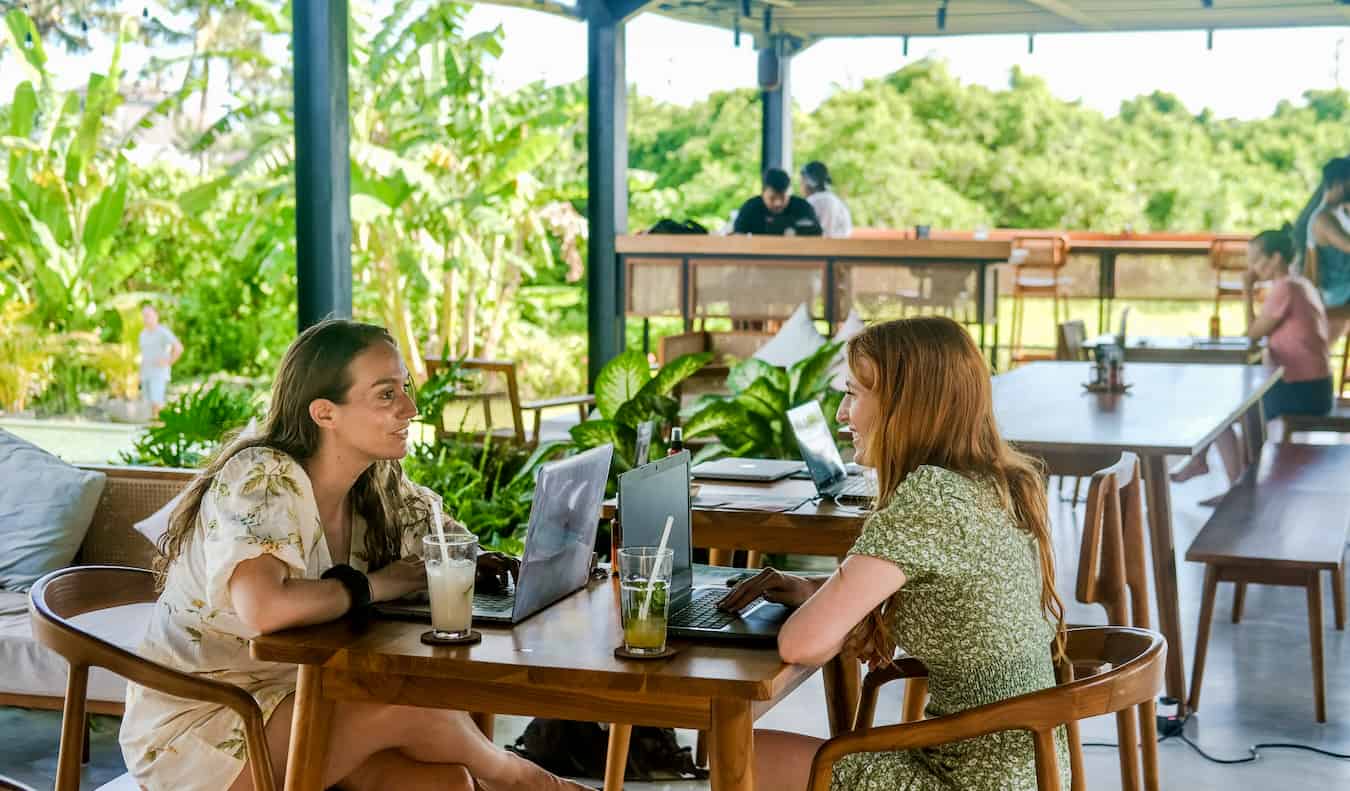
(644, 582)
(452, 564)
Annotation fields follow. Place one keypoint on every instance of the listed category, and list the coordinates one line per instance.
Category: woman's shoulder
(265, 464)
(934, 490)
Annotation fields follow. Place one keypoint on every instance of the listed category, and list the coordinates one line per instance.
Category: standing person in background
(776, 213)
(1324, 227)
(160, 349)
(833, 214)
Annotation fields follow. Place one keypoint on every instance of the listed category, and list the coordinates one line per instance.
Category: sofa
(35, 677)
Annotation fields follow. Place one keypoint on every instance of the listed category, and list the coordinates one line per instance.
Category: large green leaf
(746, 372)
(619, 381)
(594, 433)
(26, 38)
(105, 217)
(23, 109)
(646, 406)
(763, 399)
(714, 419)
(811, 376)
(676, 371)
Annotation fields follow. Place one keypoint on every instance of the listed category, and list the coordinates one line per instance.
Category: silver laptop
(823, 461)
(647, 495)
(559, 542)
(754, 470)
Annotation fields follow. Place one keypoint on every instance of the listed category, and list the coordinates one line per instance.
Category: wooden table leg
(720, 557)
(843, 688)
(309, 732)
(732, 746)
(616, 757)
(1165, 574)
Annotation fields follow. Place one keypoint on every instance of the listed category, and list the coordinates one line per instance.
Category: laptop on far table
(647, 495)
(559, 542)
(823, 461)
(751, 470)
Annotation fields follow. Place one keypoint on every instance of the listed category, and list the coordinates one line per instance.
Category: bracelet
(356, 583)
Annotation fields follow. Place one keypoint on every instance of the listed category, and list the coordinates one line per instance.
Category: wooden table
(560, 663)
(1169, 410)
(1173, 349)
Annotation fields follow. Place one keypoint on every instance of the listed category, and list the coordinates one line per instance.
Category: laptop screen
(647, 495)
(564, 518)
(817, 446)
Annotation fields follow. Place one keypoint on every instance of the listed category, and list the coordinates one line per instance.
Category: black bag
(668, 226)
(577, 749)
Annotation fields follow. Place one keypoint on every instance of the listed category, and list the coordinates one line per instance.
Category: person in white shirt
(160, 349)
(830, 210)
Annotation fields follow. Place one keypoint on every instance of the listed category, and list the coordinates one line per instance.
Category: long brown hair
(315, 366)
(937, 408)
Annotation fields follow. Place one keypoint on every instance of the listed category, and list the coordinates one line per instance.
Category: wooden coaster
(1102, 388)
(472, 638)
(622, 653)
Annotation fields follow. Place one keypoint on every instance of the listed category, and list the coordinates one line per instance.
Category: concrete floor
(1258, 688)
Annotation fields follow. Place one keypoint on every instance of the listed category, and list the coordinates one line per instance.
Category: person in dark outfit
(776, 213)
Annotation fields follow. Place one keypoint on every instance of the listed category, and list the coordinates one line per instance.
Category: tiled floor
(1258, 688)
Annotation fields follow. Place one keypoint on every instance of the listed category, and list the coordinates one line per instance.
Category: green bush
(191, 427)
(486, 486)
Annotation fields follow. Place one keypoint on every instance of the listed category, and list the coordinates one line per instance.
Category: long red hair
(937, 408)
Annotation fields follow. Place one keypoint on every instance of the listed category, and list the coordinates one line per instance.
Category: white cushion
(32, 669)
(797, 339)
(839, 369)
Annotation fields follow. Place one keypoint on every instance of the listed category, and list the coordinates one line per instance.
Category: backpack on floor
(578, 749)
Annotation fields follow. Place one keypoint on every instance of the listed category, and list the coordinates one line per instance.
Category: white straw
(651, 580)
(436, 522)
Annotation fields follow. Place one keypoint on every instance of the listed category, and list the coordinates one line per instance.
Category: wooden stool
(1228, 254)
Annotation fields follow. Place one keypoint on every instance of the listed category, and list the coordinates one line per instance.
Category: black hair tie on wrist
(358, 587)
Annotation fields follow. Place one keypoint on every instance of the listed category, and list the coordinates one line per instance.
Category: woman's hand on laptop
(398, 579)
(496, 571)
(775, 586)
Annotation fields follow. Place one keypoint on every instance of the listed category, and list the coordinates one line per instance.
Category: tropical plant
(628, 394)
(485, 486)
(25, 359)
(192, 426)
(752, 421)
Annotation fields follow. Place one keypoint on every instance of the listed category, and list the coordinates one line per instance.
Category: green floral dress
(259, 503)
(970, 610)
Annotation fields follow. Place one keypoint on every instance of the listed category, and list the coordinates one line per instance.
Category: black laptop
(647, 495)
(559, 542)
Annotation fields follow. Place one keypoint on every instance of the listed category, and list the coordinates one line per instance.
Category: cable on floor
(1253, 751)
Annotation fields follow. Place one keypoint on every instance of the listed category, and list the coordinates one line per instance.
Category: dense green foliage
(467, 202)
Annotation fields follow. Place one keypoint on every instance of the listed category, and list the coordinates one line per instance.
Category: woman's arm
(1328, 232)
(268, 599)
(817, 630)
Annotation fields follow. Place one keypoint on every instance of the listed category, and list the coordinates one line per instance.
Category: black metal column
(323, 226)
(607, 184)
(776, 125)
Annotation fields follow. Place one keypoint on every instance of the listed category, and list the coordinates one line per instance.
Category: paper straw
(651, 580)
(436, 522)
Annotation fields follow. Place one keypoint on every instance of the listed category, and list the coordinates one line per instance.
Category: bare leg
(391, 769)
(1230, 451)
(783, 760)
(361, 731)
(1197, 465)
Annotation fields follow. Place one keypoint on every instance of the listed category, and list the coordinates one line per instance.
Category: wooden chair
(1113, 572)
(63, 594)
(1126, 667)
(1227, 255)
(506, 369)
(1070, 346)
(1037, 261)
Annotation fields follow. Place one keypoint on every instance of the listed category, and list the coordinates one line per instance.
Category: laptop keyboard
(857, 486)
(702, 612)
(493, 603)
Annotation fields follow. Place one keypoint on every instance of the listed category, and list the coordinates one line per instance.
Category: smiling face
(861, 408)
(377, 411)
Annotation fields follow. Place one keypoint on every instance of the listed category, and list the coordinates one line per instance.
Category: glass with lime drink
(644, 583)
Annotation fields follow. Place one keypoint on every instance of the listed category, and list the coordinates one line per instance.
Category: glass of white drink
(644, 580)
(452, 562)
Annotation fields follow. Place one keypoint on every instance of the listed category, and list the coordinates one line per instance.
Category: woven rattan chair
(63, 594)
(1121, 668)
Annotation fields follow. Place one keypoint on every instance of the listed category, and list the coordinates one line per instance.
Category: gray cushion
(46, 506)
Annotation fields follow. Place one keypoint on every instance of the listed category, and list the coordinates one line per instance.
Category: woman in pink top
(1294, 321)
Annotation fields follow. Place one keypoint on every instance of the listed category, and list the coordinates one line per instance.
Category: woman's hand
(398, 579)
(496, 571)
(775, 586)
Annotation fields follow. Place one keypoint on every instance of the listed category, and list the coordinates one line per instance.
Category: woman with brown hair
(303, 523)
(955, 565)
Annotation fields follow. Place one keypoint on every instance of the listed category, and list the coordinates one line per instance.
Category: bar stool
(1227, 255)
(1037, 261)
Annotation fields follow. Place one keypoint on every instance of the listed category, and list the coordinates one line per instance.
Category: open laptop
(753, 470)
(559, 541)
(647, 495)
(823, 461)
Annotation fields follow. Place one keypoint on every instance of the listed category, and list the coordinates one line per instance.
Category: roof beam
(623, 9)
(1062, 9)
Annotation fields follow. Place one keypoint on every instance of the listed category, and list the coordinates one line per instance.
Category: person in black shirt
(776, 213)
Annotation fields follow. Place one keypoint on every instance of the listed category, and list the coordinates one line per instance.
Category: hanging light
(1031, 43)
(904, 46)
(1209, 39)
(768, 19)
(736, 31)
(942, 16)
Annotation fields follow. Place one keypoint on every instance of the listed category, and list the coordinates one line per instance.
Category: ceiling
(809, 21)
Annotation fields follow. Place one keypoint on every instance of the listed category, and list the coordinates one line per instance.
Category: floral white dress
(260, 502)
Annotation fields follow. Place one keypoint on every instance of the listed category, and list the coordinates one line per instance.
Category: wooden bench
(1283, 524)
(1337, 420)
